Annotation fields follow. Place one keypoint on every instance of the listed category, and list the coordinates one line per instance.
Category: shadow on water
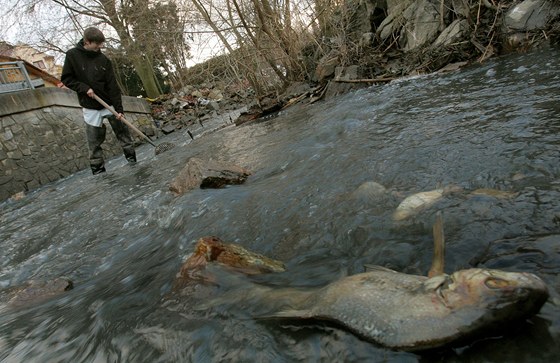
(121, 237)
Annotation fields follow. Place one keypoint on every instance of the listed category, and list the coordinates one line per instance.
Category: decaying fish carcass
(397, 310)
(409, 312)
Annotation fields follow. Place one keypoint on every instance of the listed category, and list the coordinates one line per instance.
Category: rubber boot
(95, 137)
(123, 135)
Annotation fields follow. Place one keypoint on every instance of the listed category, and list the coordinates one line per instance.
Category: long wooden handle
(439, 247)
(128, 123)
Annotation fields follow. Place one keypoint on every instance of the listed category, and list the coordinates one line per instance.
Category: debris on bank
(399, 43)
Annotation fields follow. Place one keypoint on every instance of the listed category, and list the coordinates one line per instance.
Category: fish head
(485, 297)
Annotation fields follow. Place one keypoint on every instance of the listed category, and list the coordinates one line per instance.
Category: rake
(163, 147)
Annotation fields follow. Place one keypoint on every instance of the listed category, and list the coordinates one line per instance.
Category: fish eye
(496, 283)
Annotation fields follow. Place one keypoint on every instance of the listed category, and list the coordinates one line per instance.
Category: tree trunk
(144, 68)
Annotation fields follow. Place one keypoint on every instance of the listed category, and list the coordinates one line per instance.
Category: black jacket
(84, 69)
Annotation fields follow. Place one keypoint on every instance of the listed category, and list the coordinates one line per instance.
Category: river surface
(121, 237)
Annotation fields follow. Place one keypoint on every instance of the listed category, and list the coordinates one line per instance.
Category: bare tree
(265, 37)
(150, 32)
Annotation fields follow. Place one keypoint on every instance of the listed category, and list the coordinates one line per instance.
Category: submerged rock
(199, 173)
(36, 291)
(213, 250)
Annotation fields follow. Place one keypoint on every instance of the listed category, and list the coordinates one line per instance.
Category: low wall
(42, 137)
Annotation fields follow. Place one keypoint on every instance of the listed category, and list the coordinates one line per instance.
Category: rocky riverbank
(391, 39)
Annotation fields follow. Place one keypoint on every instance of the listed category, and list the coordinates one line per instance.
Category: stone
(15, 155)
(198, 173)
(397, 6)
(347, 73)
(5, 179)
(197, 94)
(7, 135)
(213, 250)
(460, 7)
(167, 129)
(422, 25)
(10, 145)
(326, 67)
(16, 129)
(7, 121)
(213, 105)
(32, 185)
(394, 20)
(215, 95)
(296, 89)
(531, 15)
(455, 32)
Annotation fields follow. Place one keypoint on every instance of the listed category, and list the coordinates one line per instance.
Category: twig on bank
(367, 80)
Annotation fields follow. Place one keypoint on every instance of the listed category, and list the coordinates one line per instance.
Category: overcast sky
(22, 28)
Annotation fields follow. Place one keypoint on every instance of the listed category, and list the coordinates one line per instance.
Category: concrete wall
(42, 137)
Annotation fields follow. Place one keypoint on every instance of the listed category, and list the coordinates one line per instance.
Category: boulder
(326, 67)
(531, 15)
(198, 173)
(456, 31)
(415, 23)
(394, 20)
(461, 8)
(422, 25)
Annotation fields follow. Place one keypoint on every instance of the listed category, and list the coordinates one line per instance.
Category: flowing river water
(121, 237)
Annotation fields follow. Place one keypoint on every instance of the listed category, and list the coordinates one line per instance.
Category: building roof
(32, 70)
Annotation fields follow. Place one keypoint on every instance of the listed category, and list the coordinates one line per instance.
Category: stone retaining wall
(42, 137)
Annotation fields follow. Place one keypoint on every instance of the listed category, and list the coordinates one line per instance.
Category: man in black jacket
(88, 71)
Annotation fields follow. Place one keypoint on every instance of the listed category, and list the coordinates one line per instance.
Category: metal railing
(14, 77)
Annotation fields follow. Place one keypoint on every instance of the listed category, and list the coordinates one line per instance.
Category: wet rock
(36, 291)
(167, 129)
(264, 107)
(213, 250)
(198, 173)
(369, 190)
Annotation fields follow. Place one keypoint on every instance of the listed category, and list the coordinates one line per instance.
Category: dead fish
(413, 203)
(416, 202)
(411, 313)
